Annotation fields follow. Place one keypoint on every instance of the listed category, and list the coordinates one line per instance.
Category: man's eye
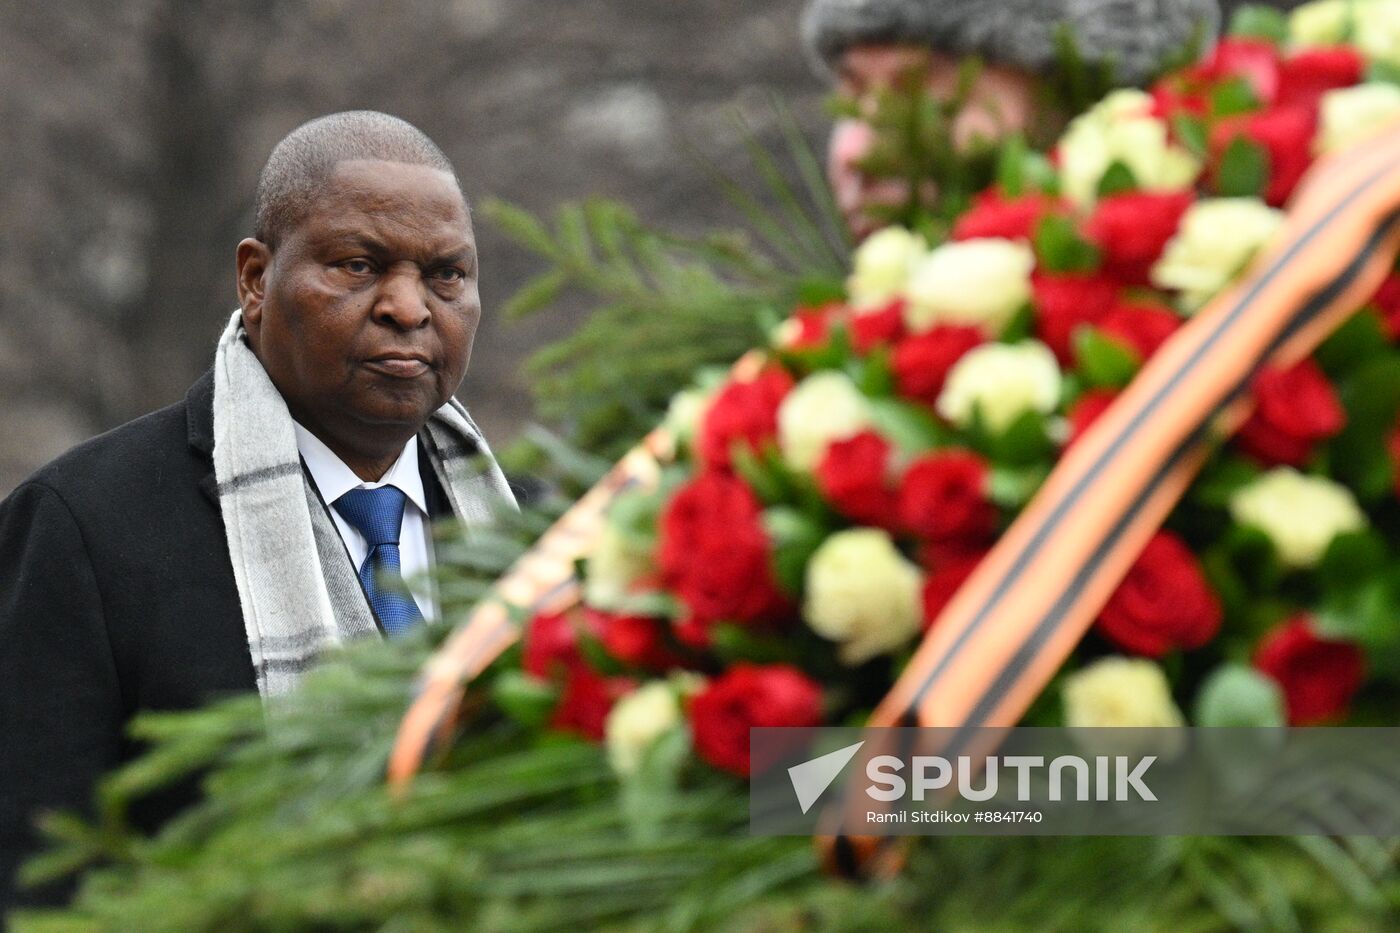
(357, 266)
(449, 274)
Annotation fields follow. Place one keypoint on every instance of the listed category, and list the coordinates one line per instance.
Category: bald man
(221, 544)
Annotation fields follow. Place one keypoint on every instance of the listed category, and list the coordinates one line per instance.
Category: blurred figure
(871, 47)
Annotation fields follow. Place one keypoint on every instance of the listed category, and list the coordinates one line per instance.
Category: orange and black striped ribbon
(1013, 623)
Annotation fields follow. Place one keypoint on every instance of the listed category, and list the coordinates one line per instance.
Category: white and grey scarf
(297, 588)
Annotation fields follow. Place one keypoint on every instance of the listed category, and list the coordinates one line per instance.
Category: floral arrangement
(832, 491)
(828, 496)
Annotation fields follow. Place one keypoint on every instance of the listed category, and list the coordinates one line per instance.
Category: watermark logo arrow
(811, 778)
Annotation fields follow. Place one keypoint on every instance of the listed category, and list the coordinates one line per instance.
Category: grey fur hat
(1136, 35)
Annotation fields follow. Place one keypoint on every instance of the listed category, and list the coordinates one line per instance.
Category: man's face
(364, 316)
(999, 102)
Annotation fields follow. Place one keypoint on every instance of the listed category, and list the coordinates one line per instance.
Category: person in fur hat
(868, 46)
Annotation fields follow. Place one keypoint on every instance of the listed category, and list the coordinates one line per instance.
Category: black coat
(117, 595)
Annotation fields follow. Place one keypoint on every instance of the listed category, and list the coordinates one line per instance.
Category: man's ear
(254, 261)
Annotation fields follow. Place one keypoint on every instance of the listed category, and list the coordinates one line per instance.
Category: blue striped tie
(377, 514)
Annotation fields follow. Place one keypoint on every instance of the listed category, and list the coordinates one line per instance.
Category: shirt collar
(334, 479)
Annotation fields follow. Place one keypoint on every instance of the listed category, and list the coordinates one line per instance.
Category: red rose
(1255, 60)
(1295, 409)
(1086, 410)
(635, 640)
(714, 553)
(993, 215)
(946, 573)
(1285, 133)
(742, 412)
(1188, 91)
(551, 646)
(1305, 77)
(813, 325)
(1163, 603)
(750, 696)
(1064, 303)
(921, 362)
(1387, 301)
(853, 475)
(1133, 228)
(1172, 97)
(943, 497)
(586, 701)
(1142, 328)
(1319, 676)
(870, 329)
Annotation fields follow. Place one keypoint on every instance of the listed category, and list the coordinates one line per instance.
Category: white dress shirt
(334, 479)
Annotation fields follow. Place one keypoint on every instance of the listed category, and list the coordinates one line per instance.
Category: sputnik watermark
(904, 781)
(1114, 777)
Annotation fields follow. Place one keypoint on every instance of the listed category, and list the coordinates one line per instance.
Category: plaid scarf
(297, 588)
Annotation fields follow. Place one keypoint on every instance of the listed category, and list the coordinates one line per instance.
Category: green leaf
(1238, 696)
(1221, 479)
(909, 426)
(1260, 22)
(1025, 441)
(528, 700)
(1382, 72)
(1040, 174)
(1060, 248)
(1117, 179)
(872, 373)
(648, 795)
(1367, 617)
(1255, 558)
(814, 291)
(731, 642)
(1351, 561)
(1371, 398)
(759, 472)
(1244, 170)
(1361, 338)
(1011, 166)
(1103, 361)
(1232, 97)
(795, 536)
(1011, 488)
(1192, 132)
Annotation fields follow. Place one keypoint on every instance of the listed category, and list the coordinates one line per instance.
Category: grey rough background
(133, 132)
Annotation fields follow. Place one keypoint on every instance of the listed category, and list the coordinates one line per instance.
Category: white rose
(1001, 381)
(1117, 692)
(1351, 115)
(981, 282)
(824, 407)
(1377, 30)
(881, 266)
(1215, 242)
(1300, 514)
(636, 721)
(1120, 128)
(1325, 22)
(862, 593)
(614, 565)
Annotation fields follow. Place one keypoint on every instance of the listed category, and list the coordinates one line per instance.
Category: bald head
(302, 162)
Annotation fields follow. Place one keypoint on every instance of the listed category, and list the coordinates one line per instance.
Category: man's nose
(402, 300)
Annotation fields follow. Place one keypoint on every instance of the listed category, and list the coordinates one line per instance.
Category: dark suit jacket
(116, 595)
